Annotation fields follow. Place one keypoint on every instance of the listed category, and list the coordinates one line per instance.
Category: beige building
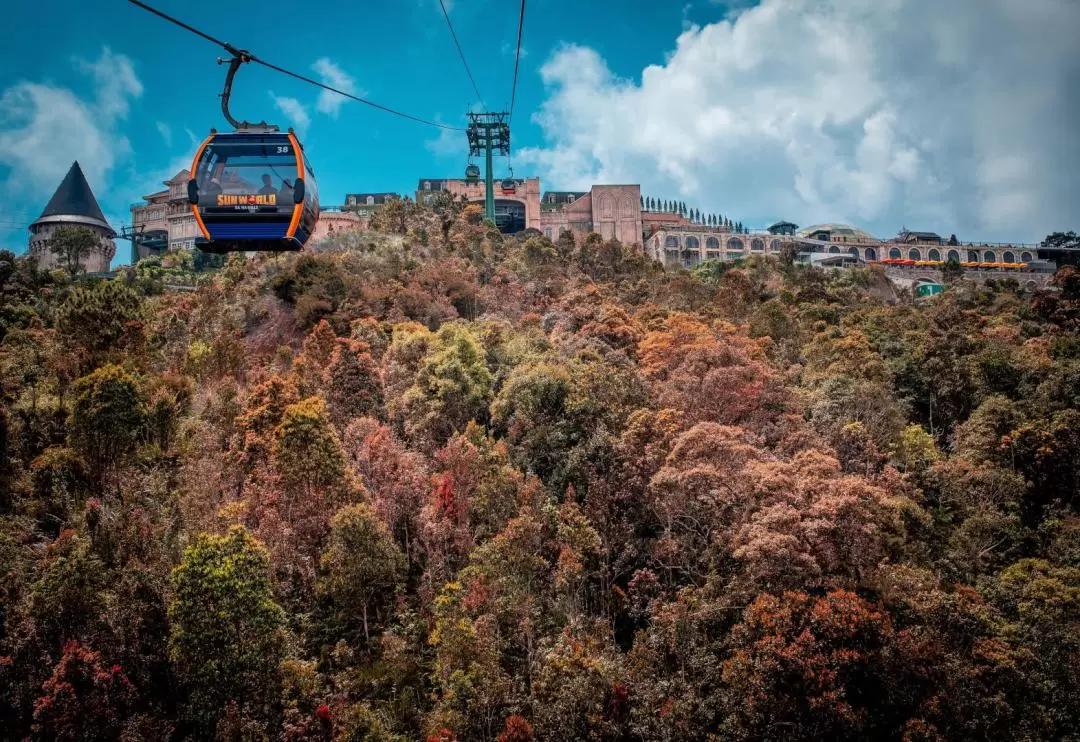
(689, 244)
(332, 221)
(72, 205)
(166, 219)
(613, 211)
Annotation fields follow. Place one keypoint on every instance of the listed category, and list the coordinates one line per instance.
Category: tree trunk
(367, 637)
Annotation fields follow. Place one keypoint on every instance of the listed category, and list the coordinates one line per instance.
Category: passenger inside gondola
(285, 195)
(268, 186)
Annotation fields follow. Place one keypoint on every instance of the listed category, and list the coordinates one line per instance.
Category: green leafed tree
(107, 418)
(71, 246)
(227, 638)
(308, 451)
(453, 386)
(94, 322)
(361, 569)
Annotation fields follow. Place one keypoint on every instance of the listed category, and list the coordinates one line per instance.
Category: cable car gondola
(509, 186)
(472, 174)
(252, 189)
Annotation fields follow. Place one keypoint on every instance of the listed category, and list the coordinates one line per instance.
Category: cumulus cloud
(332, 75)
(44, 128)
(955, 116)
(295, 111)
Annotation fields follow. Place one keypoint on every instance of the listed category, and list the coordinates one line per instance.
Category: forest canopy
(434, 482)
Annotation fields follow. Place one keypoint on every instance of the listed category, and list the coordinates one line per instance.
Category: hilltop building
(72, 205)
(613, 211)
(618, 212)
(165, 219)
(365, 203)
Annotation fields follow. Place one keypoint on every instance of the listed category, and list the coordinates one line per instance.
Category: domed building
(73, 205)
(837, 233)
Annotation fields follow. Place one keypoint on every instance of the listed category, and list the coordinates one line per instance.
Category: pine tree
(642, 201)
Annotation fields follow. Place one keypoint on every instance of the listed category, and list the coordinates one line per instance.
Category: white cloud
(509, 49)
(449, 143)
(166, 132)
(332, 75)
(295, 110)
(116, 82)
(959, 116)
(44, 128)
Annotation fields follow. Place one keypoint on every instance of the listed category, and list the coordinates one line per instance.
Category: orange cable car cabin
(253, 191)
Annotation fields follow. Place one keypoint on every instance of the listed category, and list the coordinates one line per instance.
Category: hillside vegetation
(436, 483)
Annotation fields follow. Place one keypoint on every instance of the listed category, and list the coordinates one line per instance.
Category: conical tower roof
(74, 202)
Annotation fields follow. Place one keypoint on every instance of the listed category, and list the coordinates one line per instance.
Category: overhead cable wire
(461, 54)
(247, 56)
(517, 59)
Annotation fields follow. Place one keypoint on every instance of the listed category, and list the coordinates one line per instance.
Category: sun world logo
(226, 199)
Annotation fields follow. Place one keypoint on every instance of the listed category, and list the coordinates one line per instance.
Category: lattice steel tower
(490, 134)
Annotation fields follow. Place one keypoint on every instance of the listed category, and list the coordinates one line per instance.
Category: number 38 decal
(283, 150)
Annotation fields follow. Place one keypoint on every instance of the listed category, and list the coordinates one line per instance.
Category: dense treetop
(433, 482)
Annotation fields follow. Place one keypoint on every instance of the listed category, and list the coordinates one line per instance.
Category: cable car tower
(488, 134)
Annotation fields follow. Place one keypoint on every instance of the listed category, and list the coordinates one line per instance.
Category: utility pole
(488, 134)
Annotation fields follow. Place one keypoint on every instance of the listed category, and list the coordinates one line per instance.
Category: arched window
(1008, 257)
(671, 243)
(1025, 257)
(871, 253)
(894, 253)
(973, 256)
(774, 246)
(352, 200)
(853, 251)
(427, 185)
(757, 245)
(711, 243)
(734, 244)
(370, 200)
(933, 255)
(692, 243)
(953, 255)
(989, 257)
(834, 249)
(914, 254)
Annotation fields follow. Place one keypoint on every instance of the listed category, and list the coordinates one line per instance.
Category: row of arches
(734, 244)
(1008, 256)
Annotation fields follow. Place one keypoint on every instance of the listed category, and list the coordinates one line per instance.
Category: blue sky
(798, 109)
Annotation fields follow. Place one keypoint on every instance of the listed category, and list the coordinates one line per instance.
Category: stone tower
(73, 205)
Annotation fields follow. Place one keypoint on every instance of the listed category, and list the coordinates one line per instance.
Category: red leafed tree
(807, 668)
(396, 477)
(517, 730)
(82, 700)
(712, 374)
(808, 522)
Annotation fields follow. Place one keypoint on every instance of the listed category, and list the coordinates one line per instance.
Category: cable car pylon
(488, 134)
